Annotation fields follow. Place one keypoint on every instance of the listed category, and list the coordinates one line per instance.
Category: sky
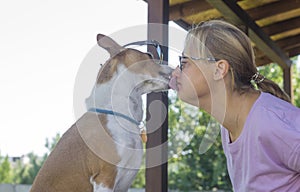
(42, 44)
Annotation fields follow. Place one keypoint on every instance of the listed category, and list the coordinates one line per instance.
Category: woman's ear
(221, 69)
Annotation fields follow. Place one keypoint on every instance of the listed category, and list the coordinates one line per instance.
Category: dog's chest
(124, 133)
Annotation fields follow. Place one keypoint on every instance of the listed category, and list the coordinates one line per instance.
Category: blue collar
(104, 111)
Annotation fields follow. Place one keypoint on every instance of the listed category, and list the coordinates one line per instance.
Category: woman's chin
(191, 101)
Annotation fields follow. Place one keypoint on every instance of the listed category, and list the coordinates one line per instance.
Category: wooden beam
(282, 26)
(273, 9)
(235, 14)
(156, 149)
(294, 51)
(189, 8)
(289, 43)
(287, 81)
(285, 44)
(186, 26)
(261, 61)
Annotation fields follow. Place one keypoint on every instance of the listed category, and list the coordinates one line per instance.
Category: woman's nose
(176, 72)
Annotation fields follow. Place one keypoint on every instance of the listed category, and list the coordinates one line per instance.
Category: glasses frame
(209, 59)
(152, 43)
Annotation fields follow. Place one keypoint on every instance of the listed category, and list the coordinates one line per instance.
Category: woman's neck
(231, 110)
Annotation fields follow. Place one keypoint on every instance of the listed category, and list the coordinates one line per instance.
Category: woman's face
(192, 81)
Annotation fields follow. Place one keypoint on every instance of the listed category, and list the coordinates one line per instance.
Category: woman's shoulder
(272, 104)
(275, 114)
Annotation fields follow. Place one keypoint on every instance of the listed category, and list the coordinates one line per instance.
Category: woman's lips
(173, 83)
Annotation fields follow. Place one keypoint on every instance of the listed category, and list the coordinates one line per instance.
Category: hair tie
(257, 78)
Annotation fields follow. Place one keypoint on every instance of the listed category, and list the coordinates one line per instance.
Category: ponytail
(268, 86)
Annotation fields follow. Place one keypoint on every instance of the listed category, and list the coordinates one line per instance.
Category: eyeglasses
(152, 43)
(181, 64)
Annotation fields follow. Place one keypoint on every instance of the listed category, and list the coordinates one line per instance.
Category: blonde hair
(222, 40)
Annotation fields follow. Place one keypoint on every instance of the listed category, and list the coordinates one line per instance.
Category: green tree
(5, 170)
(296, 83)
(24, 173)
(51, 144)
(188, 168)
(191, 169)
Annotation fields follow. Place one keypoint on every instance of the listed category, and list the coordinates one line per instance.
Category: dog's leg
(124, 180)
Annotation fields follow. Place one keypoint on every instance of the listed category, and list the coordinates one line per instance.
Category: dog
(102, 151)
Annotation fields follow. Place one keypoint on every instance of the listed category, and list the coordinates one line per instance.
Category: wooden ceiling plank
(289, 43)
(282, 26)
(234, 13)
(189, 8)
(265, 60)
(250, 4)
(273, 9)
(203, 16)
(294, 52)
(278, 17)
(286, 34)
(176, 2)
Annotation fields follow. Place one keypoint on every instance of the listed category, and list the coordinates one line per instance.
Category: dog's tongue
(173, 83)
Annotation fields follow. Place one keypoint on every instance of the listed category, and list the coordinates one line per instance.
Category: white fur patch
(99, 187)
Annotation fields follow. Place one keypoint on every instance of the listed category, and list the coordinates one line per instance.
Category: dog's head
(137, 68)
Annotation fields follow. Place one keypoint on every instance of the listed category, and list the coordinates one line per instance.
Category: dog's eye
(157, 61)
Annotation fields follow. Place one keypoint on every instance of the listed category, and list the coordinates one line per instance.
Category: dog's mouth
(165, 75)
(152, 85)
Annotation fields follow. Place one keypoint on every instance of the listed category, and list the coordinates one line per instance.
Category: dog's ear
(109, 44)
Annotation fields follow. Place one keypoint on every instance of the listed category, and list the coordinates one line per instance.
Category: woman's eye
(183, 65)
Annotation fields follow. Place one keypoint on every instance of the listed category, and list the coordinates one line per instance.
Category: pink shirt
(266, 156)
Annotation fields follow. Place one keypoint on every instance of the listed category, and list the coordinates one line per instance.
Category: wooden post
(156, 147)
(287, 81)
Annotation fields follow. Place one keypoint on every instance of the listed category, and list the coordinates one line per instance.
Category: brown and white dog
(102, 151)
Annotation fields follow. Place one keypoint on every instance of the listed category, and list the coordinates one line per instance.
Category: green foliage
(5, 170)
(296, 83)
(140, 180)
(51, 144)
(24, 172)
(272, 72)
(190, 168)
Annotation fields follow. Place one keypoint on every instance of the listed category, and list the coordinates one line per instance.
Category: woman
(260, 128)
